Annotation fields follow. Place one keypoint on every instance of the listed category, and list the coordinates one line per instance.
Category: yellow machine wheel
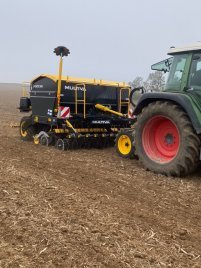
(124, 144)
(23, 132)
(36, 140)
(27, 130)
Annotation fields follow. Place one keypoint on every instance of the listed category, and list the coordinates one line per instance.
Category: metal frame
(59, 82)
(120, 98)
(25, 84)
(80, 101)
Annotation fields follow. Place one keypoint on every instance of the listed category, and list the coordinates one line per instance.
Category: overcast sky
(108, 39)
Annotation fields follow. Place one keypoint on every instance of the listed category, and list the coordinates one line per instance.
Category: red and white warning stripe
(130, 111)
(64, 112)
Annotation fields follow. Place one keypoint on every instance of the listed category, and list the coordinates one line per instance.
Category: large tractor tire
(165, 140)
(124, 143)
(27, 130)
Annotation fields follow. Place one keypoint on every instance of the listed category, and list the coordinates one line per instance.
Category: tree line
(154, 82)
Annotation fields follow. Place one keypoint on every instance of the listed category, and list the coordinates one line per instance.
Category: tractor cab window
(163, 66)
(195, 72)
(176, 72)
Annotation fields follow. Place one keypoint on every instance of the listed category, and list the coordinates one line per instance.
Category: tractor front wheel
(165, 140)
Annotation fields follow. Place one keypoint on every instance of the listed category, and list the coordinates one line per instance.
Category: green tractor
(166, 135)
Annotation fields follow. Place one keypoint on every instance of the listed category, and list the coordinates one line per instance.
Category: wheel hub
(124, 144)
(161, 139)
(169, 139)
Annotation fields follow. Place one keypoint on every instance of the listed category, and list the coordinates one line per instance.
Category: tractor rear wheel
(27, 130)
(165, 140)
(124, 143)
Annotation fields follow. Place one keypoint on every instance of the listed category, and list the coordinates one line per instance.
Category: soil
(90, 208)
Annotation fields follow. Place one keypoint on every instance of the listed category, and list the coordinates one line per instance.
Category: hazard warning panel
(63, 112)
(130, 112)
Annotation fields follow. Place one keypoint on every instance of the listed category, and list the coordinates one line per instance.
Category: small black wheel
(44, 140)
(124, 143)
(61, 144)
(112, 141)
(86, 143)
(93, 142)
(99, 143)
(82, 143)
(74, 144)
(79, 143)
(106, 142)
(67, 143)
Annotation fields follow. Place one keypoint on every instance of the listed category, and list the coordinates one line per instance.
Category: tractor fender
(180, 99)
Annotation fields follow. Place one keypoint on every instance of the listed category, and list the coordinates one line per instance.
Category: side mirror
(163, 66)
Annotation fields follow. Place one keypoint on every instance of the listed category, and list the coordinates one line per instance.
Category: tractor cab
(167, 132)
(184, 68)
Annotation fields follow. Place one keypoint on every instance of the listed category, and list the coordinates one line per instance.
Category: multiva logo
(73, 88)
(105, 122)
(37, 86)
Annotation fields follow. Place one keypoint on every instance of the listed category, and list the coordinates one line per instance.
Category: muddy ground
(90, 208)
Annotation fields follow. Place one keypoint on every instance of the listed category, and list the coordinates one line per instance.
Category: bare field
(90, 208)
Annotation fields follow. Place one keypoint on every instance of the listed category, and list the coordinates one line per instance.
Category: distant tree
(137, 82)
(155, 81)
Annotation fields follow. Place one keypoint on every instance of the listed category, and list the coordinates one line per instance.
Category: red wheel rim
(160, 139)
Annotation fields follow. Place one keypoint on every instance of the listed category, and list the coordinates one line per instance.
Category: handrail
(80, 101)
(25, 84)
(120, 98)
